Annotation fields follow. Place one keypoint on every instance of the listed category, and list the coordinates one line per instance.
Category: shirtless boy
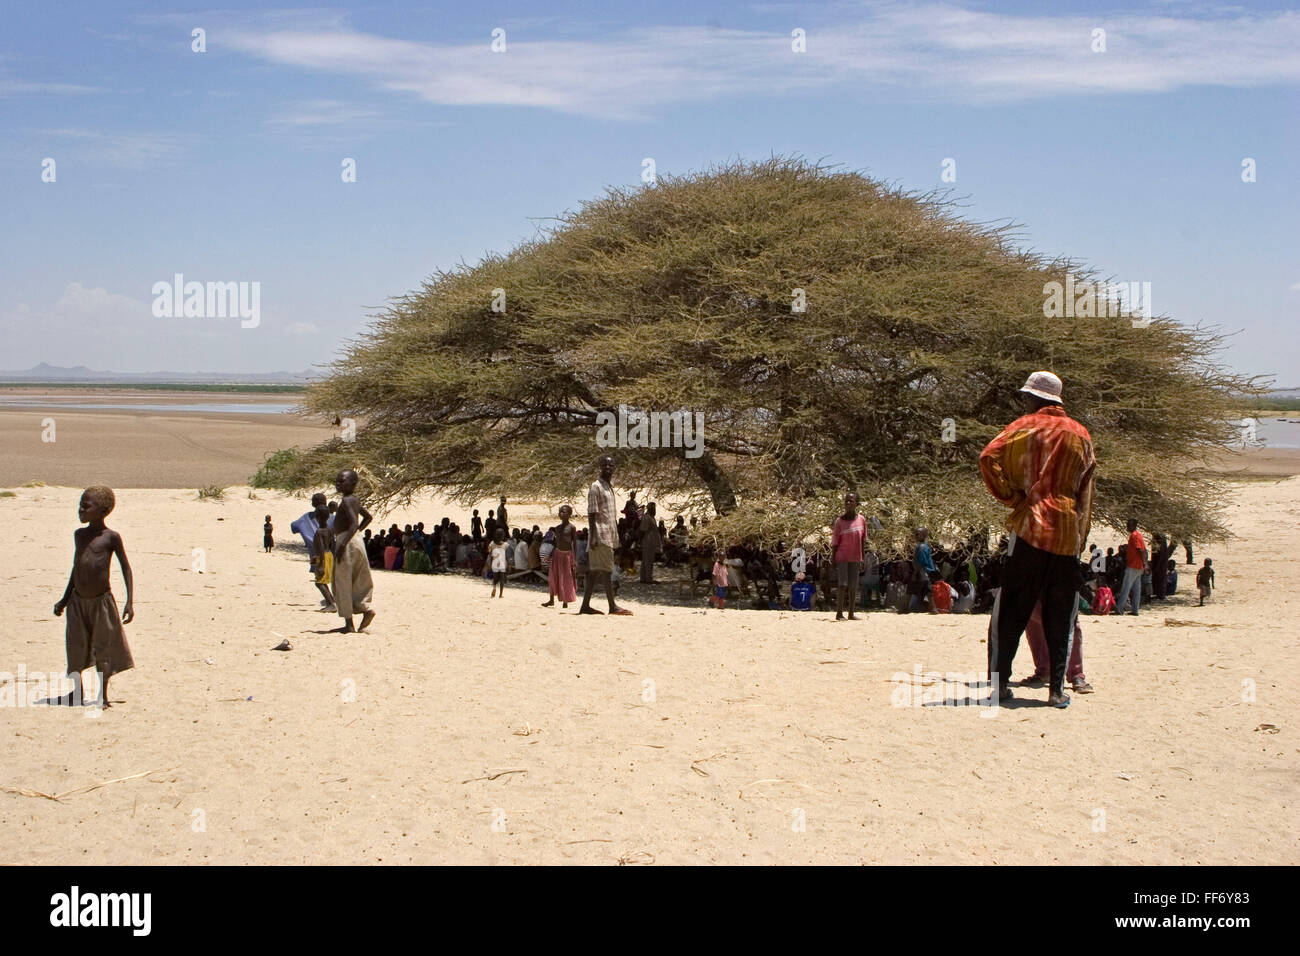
(352, 584)
(94, 633)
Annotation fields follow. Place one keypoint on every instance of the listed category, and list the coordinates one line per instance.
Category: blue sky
(225, 165)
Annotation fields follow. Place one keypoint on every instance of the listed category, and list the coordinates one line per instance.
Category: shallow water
(1270, 433)
(250, 408)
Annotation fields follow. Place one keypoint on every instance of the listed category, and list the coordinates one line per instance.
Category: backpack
(941, 597)
(1104, 602)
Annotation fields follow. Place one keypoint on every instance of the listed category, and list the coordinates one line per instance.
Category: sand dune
(675, 736)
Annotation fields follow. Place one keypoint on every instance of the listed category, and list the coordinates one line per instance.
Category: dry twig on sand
(700, 770)
(493, 776)
(58, 797)
(824, 738)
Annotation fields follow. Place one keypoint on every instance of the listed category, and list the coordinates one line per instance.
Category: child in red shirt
(848, 539)
(720, 578)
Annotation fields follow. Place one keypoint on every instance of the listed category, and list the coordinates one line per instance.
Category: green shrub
(276, 470)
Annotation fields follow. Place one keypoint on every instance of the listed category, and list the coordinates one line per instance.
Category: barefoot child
(720, 578)
(499, 564)
(1205, 580)
(94, 630)
(352, 583)
(322, 555)
(268, 542)
(560, 575)
(848, 540)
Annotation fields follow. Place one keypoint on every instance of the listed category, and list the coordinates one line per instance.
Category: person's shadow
(977, 696)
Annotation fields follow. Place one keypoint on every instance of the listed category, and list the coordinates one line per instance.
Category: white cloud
(125, 150)
(12, 87)
(20, 88)
(926, 51)
(98, 301)
(77, 320)
(301, 328)
(321, 113)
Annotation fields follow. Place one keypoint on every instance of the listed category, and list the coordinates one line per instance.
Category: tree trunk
(724, 499)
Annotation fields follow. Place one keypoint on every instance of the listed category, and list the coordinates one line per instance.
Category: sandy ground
(1256, 463)
(476, 731)
(132, 449)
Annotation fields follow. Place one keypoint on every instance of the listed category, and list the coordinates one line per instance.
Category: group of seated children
(930, 577)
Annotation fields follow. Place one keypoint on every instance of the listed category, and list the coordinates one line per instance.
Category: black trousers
(1032, 575)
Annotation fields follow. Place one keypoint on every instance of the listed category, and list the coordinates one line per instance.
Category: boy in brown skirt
(94, 635)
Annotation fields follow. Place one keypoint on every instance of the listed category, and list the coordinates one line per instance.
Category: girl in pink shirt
(719, 581)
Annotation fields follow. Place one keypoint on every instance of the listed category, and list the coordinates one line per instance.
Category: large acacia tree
(917, 328)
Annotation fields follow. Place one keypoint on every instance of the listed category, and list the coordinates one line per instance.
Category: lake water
(239, 408)
(1269, 432)
(1274, 434)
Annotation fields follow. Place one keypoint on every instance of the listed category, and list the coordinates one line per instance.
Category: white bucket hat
(1044, 385)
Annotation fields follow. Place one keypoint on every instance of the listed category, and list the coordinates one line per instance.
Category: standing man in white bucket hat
(1041, 466)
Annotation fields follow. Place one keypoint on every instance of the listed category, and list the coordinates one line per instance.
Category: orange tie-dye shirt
(1042, 467)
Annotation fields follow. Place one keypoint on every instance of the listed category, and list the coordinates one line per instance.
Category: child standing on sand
(322, 556)
(1205, 580)
(499, 568)
(560, 573)
(268, 542)
(353, 587)
(94, 631)
(848, 541)
(720, 578)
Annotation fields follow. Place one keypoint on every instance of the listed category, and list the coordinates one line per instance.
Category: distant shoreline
(196, 435)
(154, 388)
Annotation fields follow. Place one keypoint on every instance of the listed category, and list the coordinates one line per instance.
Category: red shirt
(1133, 553)
(847, 538)
(1041, 466)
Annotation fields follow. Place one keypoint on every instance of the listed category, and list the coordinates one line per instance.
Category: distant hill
(54, 373)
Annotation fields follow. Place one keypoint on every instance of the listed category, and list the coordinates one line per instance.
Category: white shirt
(499, 557)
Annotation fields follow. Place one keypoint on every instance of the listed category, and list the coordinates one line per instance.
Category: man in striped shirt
(602, 539)
(1041, 466)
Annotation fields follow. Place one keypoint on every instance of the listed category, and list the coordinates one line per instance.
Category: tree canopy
(917, 328)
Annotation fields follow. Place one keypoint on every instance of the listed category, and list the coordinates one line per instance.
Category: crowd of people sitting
(927, 576)
(1133, 576)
